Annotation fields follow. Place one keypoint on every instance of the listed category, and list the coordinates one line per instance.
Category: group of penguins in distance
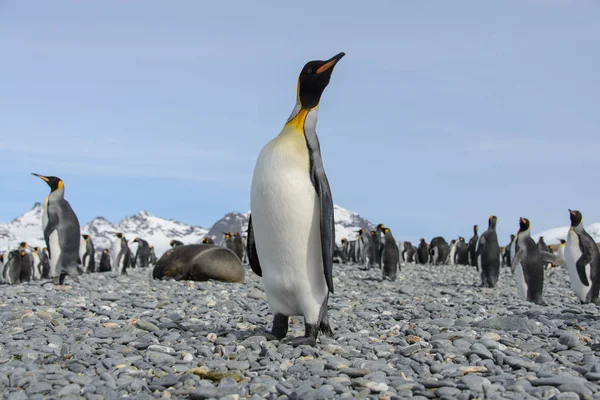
(291, 240)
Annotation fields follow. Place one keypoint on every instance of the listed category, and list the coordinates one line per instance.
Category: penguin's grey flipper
(584, 260)
(251, 250)
(321, 185)
(50, 227)
(516, 260)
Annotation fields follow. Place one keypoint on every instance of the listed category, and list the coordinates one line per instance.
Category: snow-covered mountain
(553, 235)
(157, 231)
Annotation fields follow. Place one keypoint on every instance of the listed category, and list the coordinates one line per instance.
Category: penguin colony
(291, 242)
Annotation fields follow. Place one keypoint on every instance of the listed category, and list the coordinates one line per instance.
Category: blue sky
(441, 113)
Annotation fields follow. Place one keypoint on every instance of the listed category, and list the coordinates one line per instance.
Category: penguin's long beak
(42, 177)
(330, 63)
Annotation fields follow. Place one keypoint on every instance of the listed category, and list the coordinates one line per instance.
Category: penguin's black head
(23, 245)
(373, 233)
(105, 251)
(576, 217)
(236, 234)
(36, 249)
(205, 240)
(86, 237)
(523, 224)
(562, 241)
(460, 238)
(52, 181)
(344, 240)
(227, 235)
(492, 221)
(541, 239)
(136, 240)
(512, 237)
(386, 230)
(1, 257)
(313, 80)
(380, 227)
(119, 235)
(151, 247)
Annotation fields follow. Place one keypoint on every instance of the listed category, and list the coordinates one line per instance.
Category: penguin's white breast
(572, 254)
(286, 222)
(54, 246)
(521, 282)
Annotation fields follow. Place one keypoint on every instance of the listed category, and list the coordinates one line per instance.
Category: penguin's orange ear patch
(60, 184)
(22, 254)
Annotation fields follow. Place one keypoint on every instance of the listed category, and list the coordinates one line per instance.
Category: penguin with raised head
(208, 240)
(238, 246)
(422, 252)
(152, 256)
(291, 230)
(528, 264)
(390, 257)
(488, 255)
(105, 262)
(439, 250)
(462, 252)
(142, 254)
(473, 248)
(120, 254)
(363, 249)
(408, 254)
(582, 260)
(87, 254)
(175, 243)
(61, 231)
(452, 254)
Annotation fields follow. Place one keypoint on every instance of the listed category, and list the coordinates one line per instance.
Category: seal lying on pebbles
(200, 262)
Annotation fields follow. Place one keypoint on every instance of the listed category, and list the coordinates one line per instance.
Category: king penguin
(152, 256)
(451, 256)
(528, 264)
(105, 261)
(142, 254)
(291, 232)
(560, 249)
(462, 252)
(120, 254)
(488, 255)
(473, 248)
(390, 256)
(208, 240)
(61, 230)
(422, 252)
(87, 254)
(583, 260)
(175, 243)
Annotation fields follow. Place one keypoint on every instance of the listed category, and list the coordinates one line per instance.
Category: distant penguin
(120, 254)
(452, 254)
(375, 254)
(560, 249)
(227, 241)
(346, 249)
(527, 265)
(422, 252)
(61, 231)
(381, 238)
(488, 255)
(508, 255)
(238, 245)
(87, 254)
(582, 260)
(363, 249)
(142, 254)
(2, 268)
(390, 257)
(439, 250)
(17, 268)
(45, 263)
(37, 269)
(473, 248)
(175, 243)
(130, 260)
(541, 244)
(352, 251)
(208, 240)
(409, 252)
(292, 215)
(462, 252)
(152, 256)
(105, 262)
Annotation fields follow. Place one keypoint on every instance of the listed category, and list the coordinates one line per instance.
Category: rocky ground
(431, 334)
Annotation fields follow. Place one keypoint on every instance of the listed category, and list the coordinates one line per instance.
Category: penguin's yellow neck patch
(297, 122)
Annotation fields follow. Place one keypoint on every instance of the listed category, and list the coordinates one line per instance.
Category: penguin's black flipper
(584, 260)
(50, 227)
(516, 260)
(321, 185)
(251, 250)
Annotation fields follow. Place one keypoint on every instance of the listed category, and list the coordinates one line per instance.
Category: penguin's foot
(280, 326)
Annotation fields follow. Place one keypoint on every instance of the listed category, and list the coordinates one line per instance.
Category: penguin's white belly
(37, 273)
(286, 222)
(451, 256)
(116, 262)
(82, 249)
(435, 254)
(54, 246)
(572, 254)
(521, 282)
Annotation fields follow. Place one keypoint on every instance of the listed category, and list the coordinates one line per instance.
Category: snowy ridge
(157, 231)
(553, 235)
